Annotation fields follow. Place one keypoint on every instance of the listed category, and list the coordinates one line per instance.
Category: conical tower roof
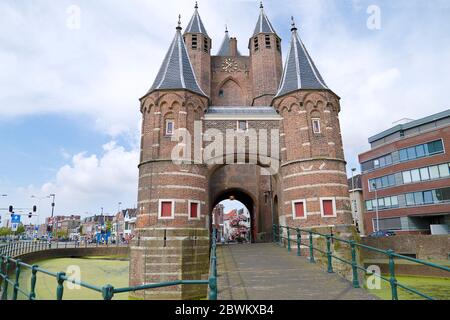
(300, 72)
(225, 46)
(176, 71)
(263, 25)
(196, 24)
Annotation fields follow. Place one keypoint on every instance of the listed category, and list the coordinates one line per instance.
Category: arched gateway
(280, 154)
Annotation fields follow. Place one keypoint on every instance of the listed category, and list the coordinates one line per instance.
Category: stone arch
(233, 93)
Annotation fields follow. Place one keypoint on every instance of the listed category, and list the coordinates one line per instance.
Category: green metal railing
(15, 266)
(278, 232)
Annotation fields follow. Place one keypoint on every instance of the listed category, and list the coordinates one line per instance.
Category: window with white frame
(194, 210)
(299, 209)
(242, 125)
(316, 125)
(166, 209)
(328, 207)
(170, 127)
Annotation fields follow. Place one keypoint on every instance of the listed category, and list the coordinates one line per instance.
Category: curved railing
(107, 291)
(298, 233)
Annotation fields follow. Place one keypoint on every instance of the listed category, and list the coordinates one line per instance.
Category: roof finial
(226, 28)
(294, 28)
(196, 5)
(261, 6)
(179, 22)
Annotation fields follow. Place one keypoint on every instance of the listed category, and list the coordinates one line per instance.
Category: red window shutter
(194, 210)
(299, 210)
(327, 207)
(166, 209)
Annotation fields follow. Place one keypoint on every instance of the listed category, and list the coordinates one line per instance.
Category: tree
(108, 226)
(80, 230)
(20, 230)
(62, 234)
(5, 232)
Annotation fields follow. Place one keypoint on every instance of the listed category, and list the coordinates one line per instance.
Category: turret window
(221, 94)
(170, 127)
(316, 125)
(278, 45)
(256, 43)
(268, 45)
(205, 45)
(194, 41)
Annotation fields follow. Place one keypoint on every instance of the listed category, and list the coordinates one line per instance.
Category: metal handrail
(107, 291)
(278, 236)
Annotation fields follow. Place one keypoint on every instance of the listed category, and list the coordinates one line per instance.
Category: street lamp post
(376, 207)
(53, 210)
(3, 196)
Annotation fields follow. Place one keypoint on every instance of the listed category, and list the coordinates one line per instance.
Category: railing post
(5, 279)
(108, 292)
(280, 235)
(392, 280)
(33, 283)
(60, 287)
(354, 265)
(16, 284)
(274, 233)
(288, 239)
(299, 242)
(329, 257)
(311, 248)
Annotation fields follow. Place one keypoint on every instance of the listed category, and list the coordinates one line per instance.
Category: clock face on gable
(229, 65)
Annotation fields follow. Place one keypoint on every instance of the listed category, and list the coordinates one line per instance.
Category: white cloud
(90, 182)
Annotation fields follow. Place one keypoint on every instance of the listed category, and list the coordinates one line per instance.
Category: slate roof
(300, 72)
(224, 50)
(263, 25)
(176, 71)
(196, 24)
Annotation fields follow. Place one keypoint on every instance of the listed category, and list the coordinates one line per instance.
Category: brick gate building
(301, 181)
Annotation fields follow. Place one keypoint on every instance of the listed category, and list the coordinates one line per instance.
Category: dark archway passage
(242, 197)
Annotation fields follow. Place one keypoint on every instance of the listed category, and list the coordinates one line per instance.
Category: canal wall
(118, 251)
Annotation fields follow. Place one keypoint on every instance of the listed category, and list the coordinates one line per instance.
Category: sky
(71, 74)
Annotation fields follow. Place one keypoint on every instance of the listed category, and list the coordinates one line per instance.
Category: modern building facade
(406, 177)
(297, 177)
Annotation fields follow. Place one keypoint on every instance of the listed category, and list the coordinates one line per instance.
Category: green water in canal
(95, 271)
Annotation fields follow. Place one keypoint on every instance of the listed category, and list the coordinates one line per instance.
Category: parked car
(382, 233)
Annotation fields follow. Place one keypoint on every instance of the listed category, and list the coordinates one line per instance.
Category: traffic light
(30, 215)
(34, 209)
(11, 209)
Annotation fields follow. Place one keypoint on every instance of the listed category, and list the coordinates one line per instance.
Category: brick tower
(266, 61)
(314, 182)
(199, 45)
(172, 239)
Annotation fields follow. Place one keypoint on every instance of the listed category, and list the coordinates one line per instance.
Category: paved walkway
(267, 272)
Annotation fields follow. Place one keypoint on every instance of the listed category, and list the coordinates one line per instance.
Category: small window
(194, 210)
(394, 201)
(410, 199)
(267, 38)
(434, 172)
(316, 125)
(194, 41)
(166, 209)
(443, 170)
(328, 208)
(403, 155)
(242, 125)
(411, 153)
(415, 175)
(299, 209)
(406, 176)
(205, 45)
(256, 43)
(169, 127)
(424, 175)
(278, 45)
(221, 93)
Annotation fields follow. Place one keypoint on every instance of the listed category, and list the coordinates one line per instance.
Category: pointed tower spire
(196, 24)
(225, 47)
(263, 25)
(176, 71)
(300, 72)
